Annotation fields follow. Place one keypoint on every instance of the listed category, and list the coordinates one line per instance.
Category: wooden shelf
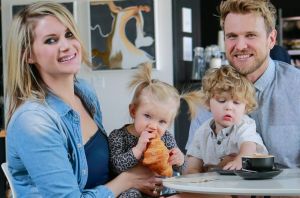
(2, 134)
(294, 52)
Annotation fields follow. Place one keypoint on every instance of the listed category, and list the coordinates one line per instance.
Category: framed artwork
(122, 33)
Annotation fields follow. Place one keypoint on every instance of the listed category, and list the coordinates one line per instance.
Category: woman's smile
(67, 58)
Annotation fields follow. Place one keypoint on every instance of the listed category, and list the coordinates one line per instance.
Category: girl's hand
(139, 149)
(176, 157)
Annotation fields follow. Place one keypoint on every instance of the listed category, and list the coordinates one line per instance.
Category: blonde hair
(23, 80)
(160, 91)
(227, 79)
(263, 8)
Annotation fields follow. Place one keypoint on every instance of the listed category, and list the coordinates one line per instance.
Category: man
(249, 28)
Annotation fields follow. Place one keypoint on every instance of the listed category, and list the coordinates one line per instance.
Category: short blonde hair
(23, 79)
(263, 8)
(227, 79)
(160, 91)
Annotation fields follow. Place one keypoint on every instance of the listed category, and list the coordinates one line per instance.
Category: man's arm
(202, 115)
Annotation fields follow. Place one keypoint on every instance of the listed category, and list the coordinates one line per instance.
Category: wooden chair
(9, 179)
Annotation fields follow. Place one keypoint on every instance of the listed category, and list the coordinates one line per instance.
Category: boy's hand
(226, 159)
(176, 157)
(236, 164)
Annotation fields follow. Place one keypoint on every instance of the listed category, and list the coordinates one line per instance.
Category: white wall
(111, 86)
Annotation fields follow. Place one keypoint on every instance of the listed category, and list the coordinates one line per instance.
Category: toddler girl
(153, 109)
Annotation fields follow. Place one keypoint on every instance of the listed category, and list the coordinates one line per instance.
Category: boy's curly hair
(227, 79)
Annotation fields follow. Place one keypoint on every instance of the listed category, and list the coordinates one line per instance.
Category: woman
(56, 144)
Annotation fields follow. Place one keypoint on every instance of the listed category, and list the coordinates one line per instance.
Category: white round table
(285, 184)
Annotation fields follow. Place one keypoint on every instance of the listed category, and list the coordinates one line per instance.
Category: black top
(280, 53)
(97, 155)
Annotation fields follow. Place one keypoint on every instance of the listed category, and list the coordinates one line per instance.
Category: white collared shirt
(211, 148)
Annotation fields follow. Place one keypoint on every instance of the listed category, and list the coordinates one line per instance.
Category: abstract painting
(122, 33)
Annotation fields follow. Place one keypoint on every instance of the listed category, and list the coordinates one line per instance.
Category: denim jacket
(45, 151)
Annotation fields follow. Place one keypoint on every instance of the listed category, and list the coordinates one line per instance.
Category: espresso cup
(258, 162)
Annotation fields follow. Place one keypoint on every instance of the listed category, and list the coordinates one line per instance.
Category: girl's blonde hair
(263, 8)
(160, 91)
(227, 79)
(23, 81)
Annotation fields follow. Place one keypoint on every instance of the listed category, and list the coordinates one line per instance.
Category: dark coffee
(258, 162)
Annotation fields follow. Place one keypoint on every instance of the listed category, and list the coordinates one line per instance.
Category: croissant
(156, 157)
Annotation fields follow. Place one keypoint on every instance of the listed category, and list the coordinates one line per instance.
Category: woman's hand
(138, 177)
(151, 186)
(145, 180)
